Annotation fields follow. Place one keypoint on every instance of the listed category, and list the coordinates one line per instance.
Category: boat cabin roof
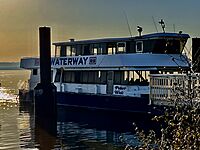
(124, 39)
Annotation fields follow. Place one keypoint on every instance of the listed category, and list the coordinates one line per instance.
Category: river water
(73, 128)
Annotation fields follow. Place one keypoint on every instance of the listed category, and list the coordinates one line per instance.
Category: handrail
(168, 88)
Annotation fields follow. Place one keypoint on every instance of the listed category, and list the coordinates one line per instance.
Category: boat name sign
(73, 61)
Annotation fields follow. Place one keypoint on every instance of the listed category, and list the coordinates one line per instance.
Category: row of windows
(101, 77)
(170, 46)
(96, 49)
(81, 77)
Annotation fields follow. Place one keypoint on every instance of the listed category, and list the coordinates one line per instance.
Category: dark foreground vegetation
(180, 129)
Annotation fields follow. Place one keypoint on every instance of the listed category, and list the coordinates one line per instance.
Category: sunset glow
(86, 19)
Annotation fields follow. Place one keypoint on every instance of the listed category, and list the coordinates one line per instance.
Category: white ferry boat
(114, 73)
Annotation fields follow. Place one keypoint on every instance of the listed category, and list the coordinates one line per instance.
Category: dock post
(45, 91)
(196, 54)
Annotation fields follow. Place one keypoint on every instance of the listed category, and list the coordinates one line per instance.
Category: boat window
(77, 76)
(34, 71)
(78, 50)
(68, 76)
(131, 77)
(121, 47)
(86, 49)
(132, 47)
(99, 74)
(72, 76)
(139, 46)
(85, 77)
(97, 77)
(103, 76)
(63, 51)
(65, 77)
(100, 51)
(101, 48)
(91, 77)
(68, 49)
(124, 77)
(182, 44)
(104, 50)
(169, 46)
(159, 46)
(57, 50)
(97, 49)
(73, 50)
(51, 75)
(172, 46)
(111, 48)
(94, 49)
(117, 77)
(58, 75)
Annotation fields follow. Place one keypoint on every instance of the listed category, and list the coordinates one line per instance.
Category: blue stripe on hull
(131, 104)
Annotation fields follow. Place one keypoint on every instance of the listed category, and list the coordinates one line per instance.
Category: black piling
(45, 91)
(196, 54)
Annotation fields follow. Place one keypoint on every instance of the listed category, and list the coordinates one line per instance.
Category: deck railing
(165, 88)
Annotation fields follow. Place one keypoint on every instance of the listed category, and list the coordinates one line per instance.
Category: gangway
(167, 89)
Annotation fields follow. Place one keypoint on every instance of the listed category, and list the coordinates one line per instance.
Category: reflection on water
(15, 129)
(99, 129)
(12, 79)
(19, 131)
(10, 82)
(73, 129)
(9, 133)
(72, 132)
(88, 129)
(7, 95)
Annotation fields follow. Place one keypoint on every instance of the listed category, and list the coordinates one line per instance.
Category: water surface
(72, 129)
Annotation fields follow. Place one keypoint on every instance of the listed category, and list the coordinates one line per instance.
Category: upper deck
(158, 43)
(157, 51)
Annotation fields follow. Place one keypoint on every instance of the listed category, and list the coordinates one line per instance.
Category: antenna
(139, 29)
(154, 24)
(162, 23)
(174, 27)
(129, 29)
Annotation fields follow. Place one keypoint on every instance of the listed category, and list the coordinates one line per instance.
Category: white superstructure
(113, 66)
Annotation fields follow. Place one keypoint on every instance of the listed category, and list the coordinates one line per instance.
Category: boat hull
(100, 102)
(105, 102)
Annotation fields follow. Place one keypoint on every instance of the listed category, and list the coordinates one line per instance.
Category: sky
(87, 19)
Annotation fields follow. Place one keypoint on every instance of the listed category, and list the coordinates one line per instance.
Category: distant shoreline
(11, 69)
(10, 66)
